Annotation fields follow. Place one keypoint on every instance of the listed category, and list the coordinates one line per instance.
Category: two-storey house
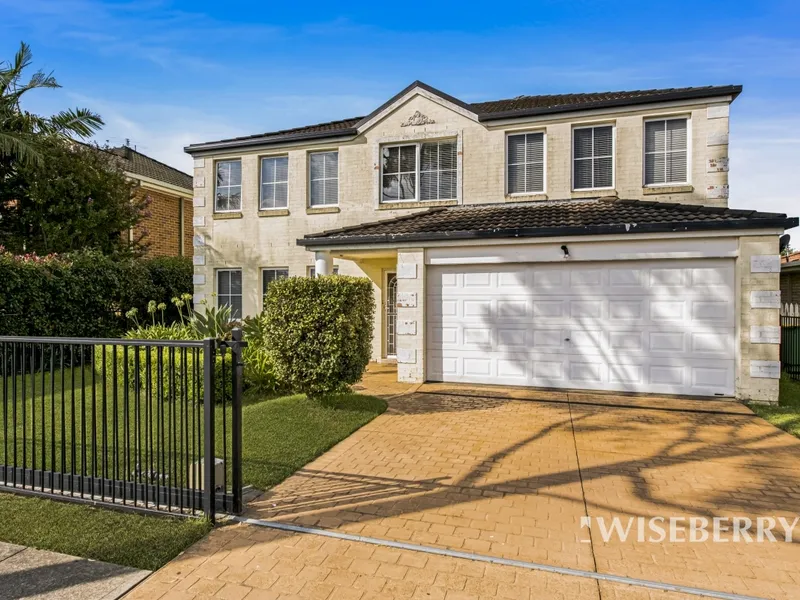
(567, 241)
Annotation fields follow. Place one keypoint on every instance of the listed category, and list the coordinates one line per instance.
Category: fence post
(237, 377)
(209, 459)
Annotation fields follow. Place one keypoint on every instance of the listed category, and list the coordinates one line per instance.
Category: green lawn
(138, 541)
(280, 435)
(283, 434)
(786, 415)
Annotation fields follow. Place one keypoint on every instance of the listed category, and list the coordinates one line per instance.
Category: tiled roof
(540, 219)
(794, 257)
(486, 111)
(567, 102)
(140, 164)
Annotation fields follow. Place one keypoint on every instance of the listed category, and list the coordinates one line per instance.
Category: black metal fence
(790, 340)
(146, 425)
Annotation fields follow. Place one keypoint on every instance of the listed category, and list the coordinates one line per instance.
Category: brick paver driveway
(511, 477)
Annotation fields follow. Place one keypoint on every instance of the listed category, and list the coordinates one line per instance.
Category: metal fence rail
(147, 425)
(790, 340)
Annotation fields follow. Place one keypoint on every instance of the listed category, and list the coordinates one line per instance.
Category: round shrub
(319, 331)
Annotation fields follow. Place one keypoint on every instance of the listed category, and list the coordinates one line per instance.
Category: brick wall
(790, 287)
(162, 224)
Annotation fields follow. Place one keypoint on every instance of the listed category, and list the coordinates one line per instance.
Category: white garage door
(658, 326)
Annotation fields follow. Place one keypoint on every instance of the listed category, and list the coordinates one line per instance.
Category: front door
(391, 314)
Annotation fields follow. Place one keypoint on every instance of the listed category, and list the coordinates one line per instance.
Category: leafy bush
(84, 294)
(191, 325)
(319, 331)
(259, 365)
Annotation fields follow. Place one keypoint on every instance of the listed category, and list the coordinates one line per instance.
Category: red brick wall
(160, 227)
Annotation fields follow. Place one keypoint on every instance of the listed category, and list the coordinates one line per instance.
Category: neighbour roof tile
(141, 164)
(538, 219)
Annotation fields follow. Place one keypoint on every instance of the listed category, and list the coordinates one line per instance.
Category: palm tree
(20, 131)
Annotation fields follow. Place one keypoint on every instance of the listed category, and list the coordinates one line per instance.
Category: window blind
(324, 178)
(666, 151)
(274, 182)
(593, 157)
(526, 163)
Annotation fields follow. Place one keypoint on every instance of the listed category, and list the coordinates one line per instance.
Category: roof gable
(418, 88)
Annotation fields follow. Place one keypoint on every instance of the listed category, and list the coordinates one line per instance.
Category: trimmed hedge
(319, 331)
(84, 294)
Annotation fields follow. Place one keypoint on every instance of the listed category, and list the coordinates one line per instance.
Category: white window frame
(216, 287)
(417, 169)
(338, 177)
(688, 151)
(241, 174)
(263, 291)
(311, 271)
(613, 185)
(261, 160)
(544, 164)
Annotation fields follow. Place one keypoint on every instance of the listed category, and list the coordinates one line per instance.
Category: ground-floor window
(269, 275)
(229, 290)
(312, 271)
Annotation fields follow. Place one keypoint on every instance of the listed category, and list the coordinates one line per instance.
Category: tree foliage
(78, 198)
(22, 132)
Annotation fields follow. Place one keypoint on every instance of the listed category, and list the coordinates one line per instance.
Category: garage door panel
(512, 338)
(659, 326)
(626, 278)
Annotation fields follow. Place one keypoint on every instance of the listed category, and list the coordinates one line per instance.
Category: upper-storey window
(526, 163)
(421, 171)
(228, 192)
(324, 178)
(666, 151)
(274, 182)
(593, 157)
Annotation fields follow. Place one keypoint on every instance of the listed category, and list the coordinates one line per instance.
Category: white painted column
(323, 263)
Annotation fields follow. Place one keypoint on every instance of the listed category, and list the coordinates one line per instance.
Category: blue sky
(166, 73)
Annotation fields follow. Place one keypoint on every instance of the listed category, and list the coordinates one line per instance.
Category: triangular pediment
(416, 117)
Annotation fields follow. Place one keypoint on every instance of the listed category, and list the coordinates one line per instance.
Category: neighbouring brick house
(790, 278)
(576, 241)
(167, 228)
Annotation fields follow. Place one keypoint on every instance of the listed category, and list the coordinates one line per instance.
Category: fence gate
(149, 425)
(790, 340)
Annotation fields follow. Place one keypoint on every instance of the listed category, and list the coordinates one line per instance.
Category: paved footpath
(30, 573)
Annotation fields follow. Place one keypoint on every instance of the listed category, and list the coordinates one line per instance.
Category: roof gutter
(622, 228)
